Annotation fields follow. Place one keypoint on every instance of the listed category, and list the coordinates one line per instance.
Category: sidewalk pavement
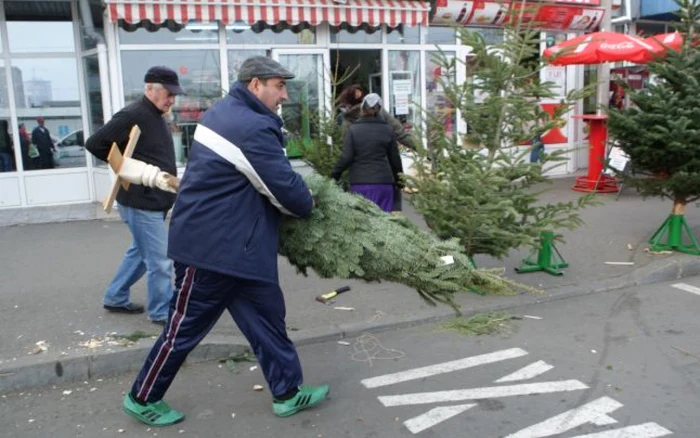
(53, 328)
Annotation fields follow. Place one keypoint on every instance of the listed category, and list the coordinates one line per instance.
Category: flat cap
(262, 67)
(165, 76)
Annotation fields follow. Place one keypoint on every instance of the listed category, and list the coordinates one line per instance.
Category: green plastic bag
(33, 151)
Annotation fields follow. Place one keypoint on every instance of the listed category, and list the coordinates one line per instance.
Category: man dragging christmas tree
(223, 238)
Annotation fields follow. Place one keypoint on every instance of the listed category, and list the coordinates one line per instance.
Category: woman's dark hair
(347, 96)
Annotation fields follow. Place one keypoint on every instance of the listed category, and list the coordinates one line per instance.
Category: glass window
(648, 29)
(306, 98)
(200, 76)
(170, 33)
(94, 99)
(4, 102)
(441, 35)
(404, 87)
(356, 35)
(260, 33)
(47, 98)
(492, 35)
(236, 58)
(437, 103)
(403, 35)
(40, 36)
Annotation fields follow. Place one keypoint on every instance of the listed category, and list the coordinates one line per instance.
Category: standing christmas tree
(660, 133)
(479, 187)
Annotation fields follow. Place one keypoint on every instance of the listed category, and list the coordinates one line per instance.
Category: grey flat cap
(262, 67)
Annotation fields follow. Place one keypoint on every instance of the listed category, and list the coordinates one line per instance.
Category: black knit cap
(165, 76)
(262, 67)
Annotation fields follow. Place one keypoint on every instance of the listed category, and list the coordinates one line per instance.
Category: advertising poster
(453, 12)
(489, 13)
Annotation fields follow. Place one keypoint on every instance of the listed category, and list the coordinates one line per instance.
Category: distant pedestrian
(143, 208)
(224, 236)
(41, 137)
(24, 145)
(371, 153)
(351, 102)
(7, 154)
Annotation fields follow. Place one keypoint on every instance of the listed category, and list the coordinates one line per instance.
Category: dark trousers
(200, 298)
(46, 158)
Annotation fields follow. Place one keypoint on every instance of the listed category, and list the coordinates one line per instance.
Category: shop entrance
(364, 68)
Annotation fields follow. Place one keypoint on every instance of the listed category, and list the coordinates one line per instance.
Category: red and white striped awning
(294, 12)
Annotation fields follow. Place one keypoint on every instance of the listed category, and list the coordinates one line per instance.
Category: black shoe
(129, 308)
(160, 322)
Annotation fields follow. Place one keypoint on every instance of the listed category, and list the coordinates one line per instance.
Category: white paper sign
(556, 75)
(401, 104)
(618, 160)
(402, 86)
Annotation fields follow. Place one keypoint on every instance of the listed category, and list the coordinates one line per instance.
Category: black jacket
(353, 114)
(155, 146)
(42, 139)
(371, 152)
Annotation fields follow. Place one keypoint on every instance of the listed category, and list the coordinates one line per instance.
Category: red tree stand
(596, 181)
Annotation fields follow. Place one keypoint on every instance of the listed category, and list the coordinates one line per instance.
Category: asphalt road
(612, 365)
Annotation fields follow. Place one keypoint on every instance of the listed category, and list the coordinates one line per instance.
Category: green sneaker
(306, 397)
(156, 414)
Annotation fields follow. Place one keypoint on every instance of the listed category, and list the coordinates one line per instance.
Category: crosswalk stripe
(445, 367)
(646, 430)
(481, 393)
(435, 416)
(529, 372)
(687, 288)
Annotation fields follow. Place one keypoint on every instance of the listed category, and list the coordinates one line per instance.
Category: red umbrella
(598, 47)
(663, 42)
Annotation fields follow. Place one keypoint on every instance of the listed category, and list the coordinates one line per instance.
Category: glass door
(308, 93)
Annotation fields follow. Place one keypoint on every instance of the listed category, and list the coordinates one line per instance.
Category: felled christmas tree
(348, 236)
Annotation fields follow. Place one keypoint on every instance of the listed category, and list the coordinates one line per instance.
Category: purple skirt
(380, 194)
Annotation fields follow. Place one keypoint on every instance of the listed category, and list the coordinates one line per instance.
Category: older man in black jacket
(144, 208)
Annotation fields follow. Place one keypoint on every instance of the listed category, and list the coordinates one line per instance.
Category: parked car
(70, 150)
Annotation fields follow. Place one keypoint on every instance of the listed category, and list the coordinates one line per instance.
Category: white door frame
(325, 79)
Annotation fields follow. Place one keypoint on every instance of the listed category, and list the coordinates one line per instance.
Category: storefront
(76, 62)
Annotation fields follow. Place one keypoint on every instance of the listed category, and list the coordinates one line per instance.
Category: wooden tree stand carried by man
(130, 170)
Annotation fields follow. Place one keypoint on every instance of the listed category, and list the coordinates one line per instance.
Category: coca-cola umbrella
(663, 42)
(598, 47)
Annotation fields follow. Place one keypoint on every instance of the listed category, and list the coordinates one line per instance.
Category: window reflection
(200, 76)
(8, 162)
(47, 89)
(236, 58)
(261, 33)
(356, 35)
(440, 35)
(170, 33)
(438, 104)
(94, 99)
(404, 87)
(403, 35)
(40, 36)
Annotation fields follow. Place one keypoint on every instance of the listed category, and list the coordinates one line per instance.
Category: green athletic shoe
(306, 397)
(156, 414)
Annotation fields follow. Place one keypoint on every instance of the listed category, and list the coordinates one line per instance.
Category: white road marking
(646, 430)
(594, 412)
(445, 367)
(435, 416)
(531, 371)
(481, 393)
(687, 288)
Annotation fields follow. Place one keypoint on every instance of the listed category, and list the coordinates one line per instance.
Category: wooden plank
(116, 156)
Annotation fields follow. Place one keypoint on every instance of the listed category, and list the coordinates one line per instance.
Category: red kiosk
(596, 181)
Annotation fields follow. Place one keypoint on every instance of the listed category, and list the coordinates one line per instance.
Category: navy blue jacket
(236, 186)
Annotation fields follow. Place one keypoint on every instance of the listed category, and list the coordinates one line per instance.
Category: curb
(35, 371)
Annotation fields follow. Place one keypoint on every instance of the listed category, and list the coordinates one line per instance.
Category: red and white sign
(546, 16)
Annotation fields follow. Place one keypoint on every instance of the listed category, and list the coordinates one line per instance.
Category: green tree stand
(548, 258)
(673, 228)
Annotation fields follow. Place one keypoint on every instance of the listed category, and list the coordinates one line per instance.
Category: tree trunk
(679, 206)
